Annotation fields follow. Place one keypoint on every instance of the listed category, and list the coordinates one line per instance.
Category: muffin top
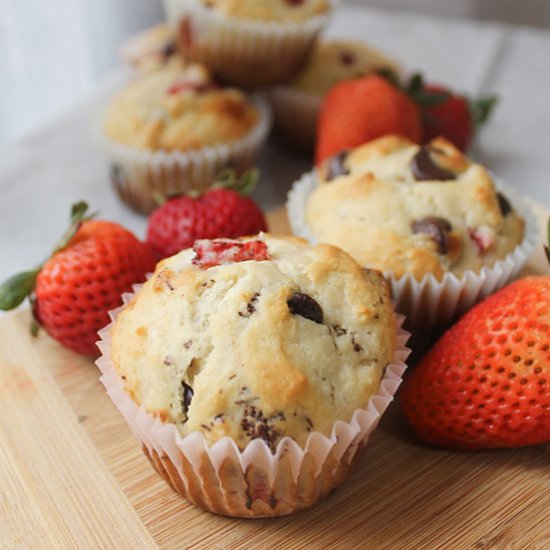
(150, 49)
(335, 61)
(179, 107)
(397, 206)
(260, 338)
(283, 11)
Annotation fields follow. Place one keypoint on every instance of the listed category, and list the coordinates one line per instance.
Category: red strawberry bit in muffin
(483, 236)
(190, 86)
(295, 2)
(226, 251)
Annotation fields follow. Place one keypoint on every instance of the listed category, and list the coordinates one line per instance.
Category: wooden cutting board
(72, 476)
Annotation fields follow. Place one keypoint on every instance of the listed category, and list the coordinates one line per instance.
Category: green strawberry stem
(226, 179)
(481, 109)
(18, 287)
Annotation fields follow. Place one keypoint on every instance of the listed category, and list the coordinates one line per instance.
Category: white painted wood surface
(61, 163)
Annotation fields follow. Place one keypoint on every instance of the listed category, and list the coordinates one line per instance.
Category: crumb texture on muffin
(284, 11)
(396, 206)
(334, 61)
(257, 349)
(179, 107)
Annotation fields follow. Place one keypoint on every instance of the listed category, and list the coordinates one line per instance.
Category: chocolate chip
(504, 204)
(169, 49)
(250, 306)
(305, 306)
(336, 165)
(187, 396)
(436, 228)
(424, 168)
(347, 58)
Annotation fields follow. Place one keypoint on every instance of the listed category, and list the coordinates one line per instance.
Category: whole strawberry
(223, 211)
(486, 383)
(357, 111)
(456, 117)
(73, 291)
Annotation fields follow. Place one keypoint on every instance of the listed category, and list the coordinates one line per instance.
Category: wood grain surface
(72, 476)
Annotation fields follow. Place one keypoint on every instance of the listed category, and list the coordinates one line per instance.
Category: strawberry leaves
(78, 216)
(244, 185)
(14, 290)
(481, 109)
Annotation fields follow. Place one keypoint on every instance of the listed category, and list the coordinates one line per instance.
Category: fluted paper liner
(430, 303)
(138, 175)
(243, 52)
(255, 482)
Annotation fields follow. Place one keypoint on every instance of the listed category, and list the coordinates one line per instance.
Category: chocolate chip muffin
(404, 208)
(263, 338)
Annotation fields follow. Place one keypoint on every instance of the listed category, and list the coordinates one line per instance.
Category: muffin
(248, 43)
(427, 216)
(296, 103)
(175, 128)
(150, 49)
(269, 347)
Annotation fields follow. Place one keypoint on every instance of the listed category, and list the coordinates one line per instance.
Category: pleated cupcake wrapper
(295, 115)
(243, 52)
(138, 175)
(431, 303)
(254, 482)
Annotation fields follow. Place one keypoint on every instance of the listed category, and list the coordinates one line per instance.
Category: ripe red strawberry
(82, 281)
(455, 118)
(486, 382)
(357, 111)
(219, 212)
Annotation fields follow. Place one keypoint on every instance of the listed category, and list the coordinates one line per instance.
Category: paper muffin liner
(255, 482)
(138, 175)
(243, 52)
(429, 303)
(295, 115)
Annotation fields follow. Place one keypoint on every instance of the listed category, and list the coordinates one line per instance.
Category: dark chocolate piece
(336, 165)
(436, 228)
(424, 168)
(304, 305)
(504, 204)
(187, 397)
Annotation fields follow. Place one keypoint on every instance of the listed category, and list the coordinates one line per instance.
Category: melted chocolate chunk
(304, 305)
(250, 306)
(436, 228)
(336, 165)
(424, 168)
(504, 204)
(169, 49)
(187, 397)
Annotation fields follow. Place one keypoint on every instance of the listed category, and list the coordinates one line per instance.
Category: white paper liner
(243, 52)
(138, 174)
(429, 303)
(253, 482)
(295, 115)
